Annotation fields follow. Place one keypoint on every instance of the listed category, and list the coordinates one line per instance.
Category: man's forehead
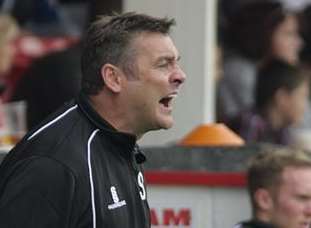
(291, 175)
(294, 180)
(155, 44)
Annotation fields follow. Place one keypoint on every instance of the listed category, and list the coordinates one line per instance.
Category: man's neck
(263, 219)
(108, 110)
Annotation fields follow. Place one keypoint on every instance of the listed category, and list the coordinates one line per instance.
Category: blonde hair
(9, 28)
(265, 168)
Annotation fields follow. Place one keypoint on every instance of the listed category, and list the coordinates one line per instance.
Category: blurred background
(221, 55)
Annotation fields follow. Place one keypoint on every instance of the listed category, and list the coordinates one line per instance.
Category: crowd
(265, 49)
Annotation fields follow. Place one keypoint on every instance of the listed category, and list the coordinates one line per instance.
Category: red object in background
(195, 178)
(168, 217)
(29, 48)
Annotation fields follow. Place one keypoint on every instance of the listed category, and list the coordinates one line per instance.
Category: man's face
(156, 83)
(291, 204)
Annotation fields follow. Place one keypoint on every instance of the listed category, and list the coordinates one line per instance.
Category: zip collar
(126, 141)
(257, 224)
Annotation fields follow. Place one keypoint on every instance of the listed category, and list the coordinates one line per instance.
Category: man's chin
(167, 123)
(163, 121)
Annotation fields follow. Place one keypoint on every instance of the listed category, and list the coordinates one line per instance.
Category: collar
(254, 223)
(126, 141)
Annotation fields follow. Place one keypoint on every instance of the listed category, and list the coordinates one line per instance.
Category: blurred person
(9, 30)
(53, 68)
(59, 69)
(86, 155)
(259, 31)
(42, 17)
(281, 96)
(302, 133)
(305, 30)
(286, 42)
(279, 187)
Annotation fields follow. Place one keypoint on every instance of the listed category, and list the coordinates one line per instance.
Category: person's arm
(38, 194)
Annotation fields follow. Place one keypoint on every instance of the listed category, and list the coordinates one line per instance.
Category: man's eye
(304, 197)
(163, 64)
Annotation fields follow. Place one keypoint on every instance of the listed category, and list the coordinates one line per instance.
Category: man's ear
(263, 199)
(112, 77)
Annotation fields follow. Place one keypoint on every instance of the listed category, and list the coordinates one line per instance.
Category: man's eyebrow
(169, 58)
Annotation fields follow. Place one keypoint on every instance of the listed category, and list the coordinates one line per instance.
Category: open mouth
(168, 100)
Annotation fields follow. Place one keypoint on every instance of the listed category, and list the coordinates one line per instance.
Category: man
(279, 184)
(81, 167)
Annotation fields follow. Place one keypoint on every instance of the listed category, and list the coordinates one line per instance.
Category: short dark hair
(251, 27)
(265, 168)
(271, 77)
(108, 41)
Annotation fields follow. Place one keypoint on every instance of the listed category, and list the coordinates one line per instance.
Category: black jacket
(254, 224)
(75, 171)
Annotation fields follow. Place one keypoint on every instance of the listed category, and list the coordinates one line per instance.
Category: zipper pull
(139, 155)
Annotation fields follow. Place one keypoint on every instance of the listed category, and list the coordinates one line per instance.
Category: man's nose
(178, 77)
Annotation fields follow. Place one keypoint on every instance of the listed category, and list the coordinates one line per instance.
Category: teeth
(168, 100)
(173, 95)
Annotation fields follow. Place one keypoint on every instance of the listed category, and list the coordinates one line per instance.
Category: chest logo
(142, 192)
(116, 201)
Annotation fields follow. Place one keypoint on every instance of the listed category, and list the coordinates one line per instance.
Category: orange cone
(212, 135)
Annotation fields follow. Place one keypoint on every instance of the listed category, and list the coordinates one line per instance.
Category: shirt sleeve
(38, 193)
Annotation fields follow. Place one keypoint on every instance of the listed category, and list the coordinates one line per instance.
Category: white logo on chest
(142, 192)
(116, 201)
